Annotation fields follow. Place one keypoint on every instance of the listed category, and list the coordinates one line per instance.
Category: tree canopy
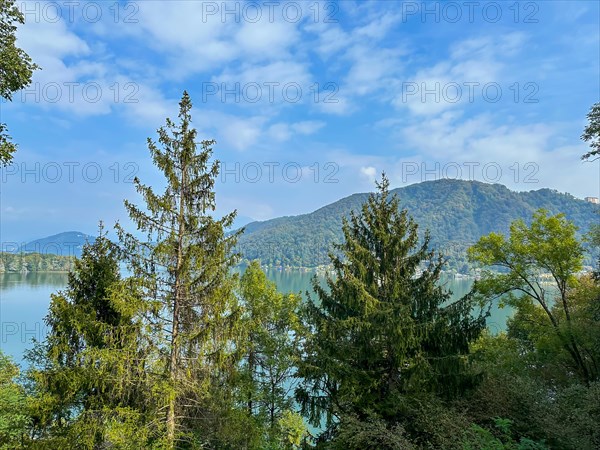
(16, 68)
(591, 133)
(383, 331)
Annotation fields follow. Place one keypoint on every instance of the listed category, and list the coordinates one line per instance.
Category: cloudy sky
(308, 101)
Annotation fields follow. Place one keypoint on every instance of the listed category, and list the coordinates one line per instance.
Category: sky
(308, 101)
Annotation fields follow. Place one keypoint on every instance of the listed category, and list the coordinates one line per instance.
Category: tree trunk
(173, 363)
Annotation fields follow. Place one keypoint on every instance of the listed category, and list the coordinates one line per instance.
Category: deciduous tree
(539, 264)
(271, 332)
(591, 133)
(16, 68)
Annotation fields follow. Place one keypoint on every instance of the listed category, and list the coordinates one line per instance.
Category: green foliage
(483, 439)
(591, 133)
(383, 332)
(370, 433)
(13, 405)
(184, 270)
(87, 376)
(530, 384)
(270, 331)
(292, 430)
(547, 251)
(456, 212)
(34, 262)
(16, 68)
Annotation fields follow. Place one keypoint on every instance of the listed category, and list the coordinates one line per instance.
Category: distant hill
(456, 212)
(69, 243)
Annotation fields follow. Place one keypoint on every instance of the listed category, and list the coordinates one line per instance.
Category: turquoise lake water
(24, 300)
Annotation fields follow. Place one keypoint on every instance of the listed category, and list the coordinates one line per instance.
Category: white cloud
(275, 83)
(282, 132)
(460, 78)
(523, 157)
(364, 65)
(240, 133)
(80, 79)
(370, 173)
(266, 40)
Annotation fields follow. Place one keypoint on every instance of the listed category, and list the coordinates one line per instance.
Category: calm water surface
(24, 300)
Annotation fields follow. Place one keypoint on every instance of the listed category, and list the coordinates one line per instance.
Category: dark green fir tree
(383, 330)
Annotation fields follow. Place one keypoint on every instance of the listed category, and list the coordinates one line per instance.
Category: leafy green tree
(593, 239)
(529, 388)
(591, 133)
(184, 267)
(531, 257)
(14, 419)
(16, 68)
(271, 333)
(383, 331)
(370, 433)
(479, 438)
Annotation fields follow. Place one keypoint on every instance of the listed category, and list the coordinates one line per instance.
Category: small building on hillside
(592, 200)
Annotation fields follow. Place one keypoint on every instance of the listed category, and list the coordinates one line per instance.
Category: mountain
(69, 243)
(456, 212)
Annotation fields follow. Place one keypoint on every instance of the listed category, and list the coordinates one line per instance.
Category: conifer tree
(382, 330)
(87, 371)
(184, 266)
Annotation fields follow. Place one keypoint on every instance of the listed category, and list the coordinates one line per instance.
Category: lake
(24, 300)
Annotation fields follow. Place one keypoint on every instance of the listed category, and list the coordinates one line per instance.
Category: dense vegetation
(34, 262)
(16, 69)
(185, 354)
(456, 212)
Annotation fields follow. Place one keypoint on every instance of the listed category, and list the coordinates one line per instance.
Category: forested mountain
(69, 243)
(456, 212)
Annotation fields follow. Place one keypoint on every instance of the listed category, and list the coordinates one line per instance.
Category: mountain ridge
(456, 212)
(66, 243)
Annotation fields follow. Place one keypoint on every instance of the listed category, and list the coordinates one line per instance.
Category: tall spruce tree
(184, 267)
(383, 330)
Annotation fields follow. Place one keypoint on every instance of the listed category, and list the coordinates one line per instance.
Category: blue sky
(308, 101)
